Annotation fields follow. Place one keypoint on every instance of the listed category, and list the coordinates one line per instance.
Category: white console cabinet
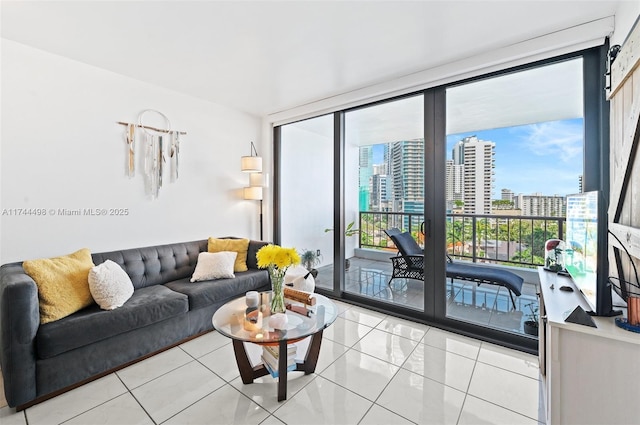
(589, 375)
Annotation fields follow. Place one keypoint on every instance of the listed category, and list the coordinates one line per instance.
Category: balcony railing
(492, 238)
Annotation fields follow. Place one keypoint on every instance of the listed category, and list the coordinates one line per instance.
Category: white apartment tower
(477, 160)
(449, 181)
(540, 205)
(454, 180)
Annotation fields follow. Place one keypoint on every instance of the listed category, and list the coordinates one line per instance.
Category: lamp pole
(260, 219)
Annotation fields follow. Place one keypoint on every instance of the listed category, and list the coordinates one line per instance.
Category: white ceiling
(550, 93)
(263, 57)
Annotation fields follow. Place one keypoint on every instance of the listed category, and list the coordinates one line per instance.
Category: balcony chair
(410, 265)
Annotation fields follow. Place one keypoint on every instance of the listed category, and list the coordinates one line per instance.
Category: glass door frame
(596, 148)
(339, 279)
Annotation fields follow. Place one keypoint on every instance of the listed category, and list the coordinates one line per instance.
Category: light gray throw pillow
(110, 285)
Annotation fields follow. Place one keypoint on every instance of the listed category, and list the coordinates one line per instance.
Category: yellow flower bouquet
(277, 260)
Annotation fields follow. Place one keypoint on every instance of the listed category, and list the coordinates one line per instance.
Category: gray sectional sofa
(40, 361)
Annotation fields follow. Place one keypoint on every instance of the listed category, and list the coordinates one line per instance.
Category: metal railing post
(473, 236)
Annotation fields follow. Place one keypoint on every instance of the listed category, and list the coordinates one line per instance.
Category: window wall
(365, 166)
(514, 152)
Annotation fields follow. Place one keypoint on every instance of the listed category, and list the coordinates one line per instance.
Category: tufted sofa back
(154, 265)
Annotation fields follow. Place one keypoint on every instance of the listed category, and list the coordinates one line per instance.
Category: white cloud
(561, 139)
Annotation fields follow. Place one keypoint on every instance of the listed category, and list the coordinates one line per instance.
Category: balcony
(513, 242)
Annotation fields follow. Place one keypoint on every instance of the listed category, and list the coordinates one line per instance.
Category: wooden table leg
(311, 359)
(282, 370)
(249, 373)
(244, 365)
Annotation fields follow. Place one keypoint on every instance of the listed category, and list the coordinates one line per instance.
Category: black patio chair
(410, 264)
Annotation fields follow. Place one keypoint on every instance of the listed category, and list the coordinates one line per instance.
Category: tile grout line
(491, 402)
(375, 402)
(466, 393)
(138, 401)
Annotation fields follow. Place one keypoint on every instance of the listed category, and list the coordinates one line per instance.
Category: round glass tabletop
(235, 321)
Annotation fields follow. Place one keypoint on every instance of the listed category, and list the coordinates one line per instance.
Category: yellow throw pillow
(241, 246)
(63, 284)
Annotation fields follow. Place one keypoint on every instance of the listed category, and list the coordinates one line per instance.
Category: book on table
(270, 358)
(273, 369)
(275, 351)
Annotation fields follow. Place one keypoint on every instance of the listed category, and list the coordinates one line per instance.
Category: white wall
(306, 206)
(61, 148)
(626, 15)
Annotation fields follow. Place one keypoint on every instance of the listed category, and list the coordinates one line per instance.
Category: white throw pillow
(214, 265)
(110, 285)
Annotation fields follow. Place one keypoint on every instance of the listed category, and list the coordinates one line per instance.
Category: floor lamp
(255, 193)
(253, 164)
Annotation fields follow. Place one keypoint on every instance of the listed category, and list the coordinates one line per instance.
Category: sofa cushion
(63, 284)
(110, 285)
(147, 306)
(214, 265)
(241, 246)
(205, 293)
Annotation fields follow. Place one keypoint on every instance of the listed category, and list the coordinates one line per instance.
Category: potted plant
(531, 325)
(348, 232)
(310, 259)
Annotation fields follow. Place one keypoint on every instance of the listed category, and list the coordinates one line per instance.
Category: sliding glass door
(514, 151)
(384, 189)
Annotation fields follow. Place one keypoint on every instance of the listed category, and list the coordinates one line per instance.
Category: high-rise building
(407, 177)
(365, 171)
(454, 181)
(580, 190)
(386, 158)
(407, 170)
(476, 158)
(380, 169)
(540, 205)
(380, 192)
(507, 195)
(449, 182)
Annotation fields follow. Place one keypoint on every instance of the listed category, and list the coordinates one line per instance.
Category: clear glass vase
(277, 297)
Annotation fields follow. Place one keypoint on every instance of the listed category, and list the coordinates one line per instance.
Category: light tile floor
(373, 369)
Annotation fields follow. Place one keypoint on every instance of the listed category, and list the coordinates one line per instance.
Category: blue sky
(543, 157)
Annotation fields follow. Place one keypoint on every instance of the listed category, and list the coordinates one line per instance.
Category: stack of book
(270, 358)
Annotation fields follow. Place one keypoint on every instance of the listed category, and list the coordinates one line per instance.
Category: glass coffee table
(231, 320)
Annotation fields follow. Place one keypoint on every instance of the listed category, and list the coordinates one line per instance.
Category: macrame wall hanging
(160, 147)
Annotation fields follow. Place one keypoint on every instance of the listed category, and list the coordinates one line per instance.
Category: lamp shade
(256, 179)
(251, 164)
(253, 193)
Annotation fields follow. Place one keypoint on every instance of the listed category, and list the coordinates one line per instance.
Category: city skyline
(552, 150)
